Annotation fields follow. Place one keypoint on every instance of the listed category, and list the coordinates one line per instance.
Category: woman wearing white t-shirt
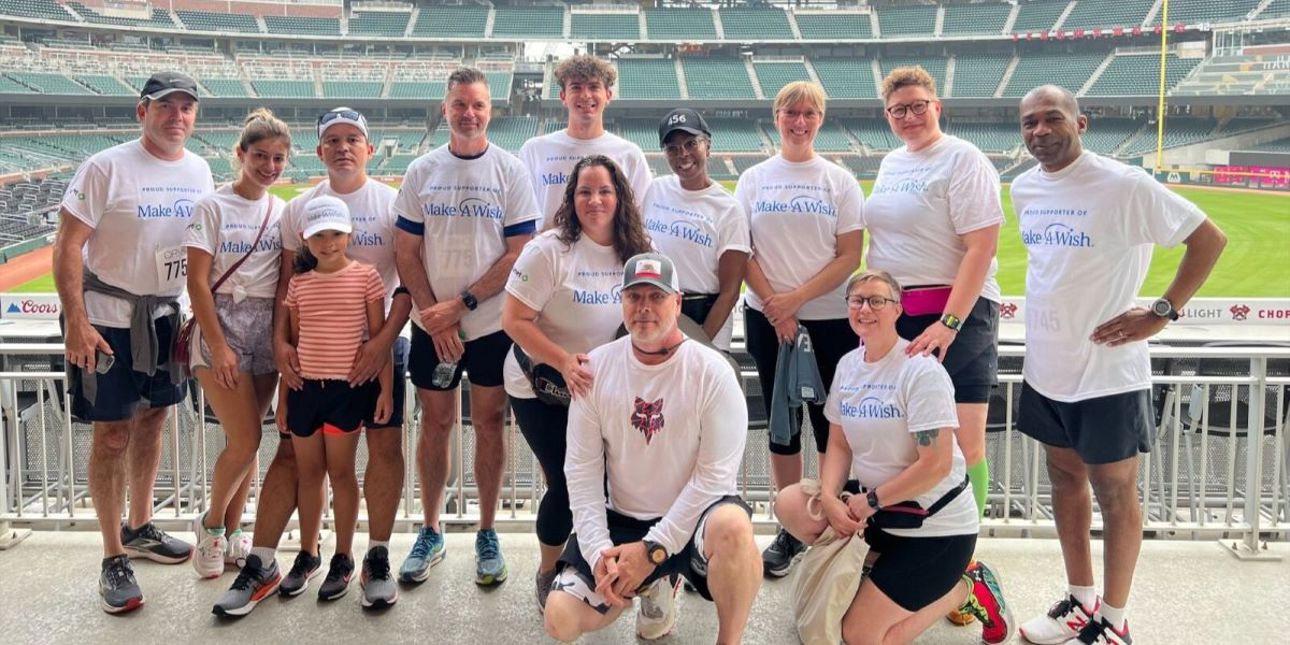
(232, 347)
(805, 216)
(891, 417)
(933, 218)
(563, 299)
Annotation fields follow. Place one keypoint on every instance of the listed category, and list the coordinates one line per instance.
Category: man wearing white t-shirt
(465, 211)
(1089, 225)
(663, 430)
(586, 87)
(119, 269)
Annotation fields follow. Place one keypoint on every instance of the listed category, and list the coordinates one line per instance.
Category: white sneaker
(209, 557)
(1100, 632)
(1063, 622)
(237, 548)
(656, 615)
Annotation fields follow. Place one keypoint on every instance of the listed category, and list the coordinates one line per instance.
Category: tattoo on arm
(926, 437)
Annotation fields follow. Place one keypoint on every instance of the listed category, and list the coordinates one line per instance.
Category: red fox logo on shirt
(648, 418)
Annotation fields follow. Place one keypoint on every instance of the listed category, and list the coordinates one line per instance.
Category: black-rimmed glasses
(917, 108)
(876, 303)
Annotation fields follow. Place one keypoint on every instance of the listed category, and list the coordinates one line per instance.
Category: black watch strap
(872, 498)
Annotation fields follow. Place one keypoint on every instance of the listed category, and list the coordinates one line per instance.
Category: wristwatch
(1165, 309)
(468, 300)
(952, 321)
(872, 498)
(656, 552)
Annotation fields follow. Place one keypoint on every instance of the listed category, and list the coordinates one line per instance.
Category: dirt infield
(26, 267)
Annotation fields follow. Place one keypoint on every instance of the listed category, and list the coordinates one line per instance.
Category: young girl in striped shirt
(334, 303)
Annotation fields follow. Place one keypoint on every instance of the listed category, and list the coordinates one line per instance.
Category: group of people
(560, 281)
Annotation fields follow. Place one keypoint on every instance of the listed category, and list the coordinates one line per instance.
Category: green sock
(979, 475)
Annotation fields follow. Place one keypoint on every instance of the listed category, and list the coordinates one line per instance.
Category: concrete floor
(1186, 592)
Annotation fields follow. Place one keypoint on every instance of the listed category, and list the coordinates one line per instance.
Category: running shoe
(379, 588)
(542, 587)
(209, 561)
(303, 569)
(1064, 621)
(238, 549)
(426, 552)
(1100, 632)
(490, 566)
(339, 572)
(118, 590)
(254, 583)
(987, 604)
(152, 543)
(958, 616)
(656, 615)
(779, 557)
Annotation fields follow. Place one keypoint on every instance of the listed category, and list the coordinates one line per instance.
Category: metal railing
(1219, 468)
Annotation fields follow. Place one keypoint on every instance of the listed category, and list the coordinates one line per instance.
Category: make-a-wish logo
(871, 408)
(182, 208)
(690, 233)
(554, 179)
(613, 296)
(1057, 234)
(801, 204)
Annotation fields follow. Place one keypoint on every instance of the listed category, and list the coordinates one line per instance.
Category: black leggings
(543, 427)
(831, 339)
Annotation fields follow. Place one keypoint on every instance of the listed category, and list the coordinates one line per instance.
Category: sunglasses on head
(352, 115)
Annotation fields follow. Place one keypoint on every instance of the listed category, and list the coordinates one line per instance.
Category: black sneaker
(779, 557)
(118, 590)
(305, 567)
(152, 543)
(336, 584)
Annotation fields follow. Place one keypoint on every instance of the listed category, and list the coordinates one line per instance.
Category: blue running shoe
(490, 566)
(427, 552)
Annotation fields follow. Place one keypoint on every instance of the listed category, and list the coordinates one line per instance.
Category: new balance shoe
(986, 602)
(254, 583)
(303, 569)
(490, 566)
(656, 615)
(426, 552)
(209, 560)
(1100, 632)
(542, 583)
(339, 572)
(779, 557)
(1064, 621)
(118, 590)
(152, 543)
(238, 549)
(959, 616)
(379, 588)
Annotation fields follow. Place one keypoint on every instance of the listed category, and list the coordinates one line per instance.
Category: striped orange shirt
(332, 310)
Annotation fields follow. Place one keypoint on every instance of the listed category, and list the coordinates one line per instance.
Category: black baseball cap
(685, 120)
(164, 83)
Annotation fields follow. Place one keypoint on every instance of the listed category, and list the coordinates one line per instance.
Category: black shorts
(973, 359)
(330, 402)
(400, 392)
(690, 562)
(123, 391)
(483, 360)
(1102, 430)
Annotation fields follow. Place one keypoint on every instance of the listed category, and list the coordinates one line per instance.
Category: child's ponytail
(305, 261)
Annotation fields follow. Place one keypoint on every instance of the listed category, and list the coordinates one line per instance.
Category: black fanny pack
(697, 305)
(910, 515)
(548, 384)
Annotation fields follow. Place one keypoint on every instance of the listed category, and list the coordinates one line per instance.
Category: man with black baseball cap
(119, 269)
(665, 425)
(696, 222)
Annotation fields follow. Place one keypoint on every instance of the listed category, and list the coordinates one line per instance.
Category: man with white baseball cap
(665, 425)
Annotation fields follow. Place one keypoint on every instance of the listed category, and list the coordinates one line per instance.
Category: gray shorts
(248, 329)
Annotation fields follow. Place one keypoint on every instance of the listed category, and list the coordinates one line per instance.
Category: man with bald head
(1089, 224)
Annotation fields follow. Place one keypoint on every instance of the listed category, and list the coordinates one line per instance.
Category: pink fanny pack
(924, 301)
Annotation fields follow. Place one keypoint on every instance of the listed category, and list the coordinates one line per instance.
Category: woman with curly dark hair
(564, 299)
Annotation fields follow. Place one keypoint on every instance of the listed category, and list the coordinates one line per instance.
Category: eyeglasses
(352, 115)
(691, 145)
(917, 108)
(876, 303)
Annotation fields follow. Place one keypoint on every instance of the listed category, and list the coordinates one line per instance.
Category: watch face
(1162, 308)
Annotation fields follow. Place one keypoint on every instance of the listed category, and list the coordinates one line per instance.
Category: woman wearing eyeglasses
(933, 218)
(894, 475)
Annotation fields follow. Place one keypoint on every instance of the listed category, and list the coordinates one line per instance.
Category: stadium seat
(284, 89)
(378, 23)
(735, 135)
(1139, 75)
(833, 25)
(1070, 71)
(874, 133)
(605, 27)
(352, 89)
(528, 22)
(846, 78)
(1038, 15)
(302, 25)
(755, 24)
(680, 24)
(900, 21)
(47, 83)
(647, 78)
(934, 66)
(977, 76)
(717, 78)
(44, 9)
(510, 132)
(219, 22)
(451, 21)
(642, 132)
(160, 18)
(774, 75)
(987, 136)
(972, 19)
(429, 90)
(104, 85)
(1209, 11)
(1089, 14)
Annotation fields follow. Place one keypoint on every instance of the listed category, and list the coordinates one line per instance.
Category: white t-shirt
(796, 212)
(694, 228)
(372, 214)
(919, 206)
(1089, 230)
(225, 225)
(550, 158)
(139, 207)
(576, 290)
(879, 406)
(465, 206)
(671, 437)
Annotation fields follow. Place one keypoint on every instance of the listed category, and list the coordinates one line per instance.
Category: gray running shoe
(543, 582)
(490, 566)
(255, 583)
(118, 590)
(152, 543)
(336, 584)
(778, 558)
(305, 567)
(379, 589)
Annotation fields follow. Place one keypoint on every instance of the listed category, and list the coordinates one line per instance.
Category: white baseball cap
(341, 115)
(326, 213)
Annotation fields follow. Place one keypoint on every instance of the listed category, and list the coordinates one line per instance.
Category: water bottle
(444, 371)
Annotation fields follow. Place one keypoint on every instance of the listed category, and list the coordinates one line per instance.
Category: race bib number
(172, 269)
